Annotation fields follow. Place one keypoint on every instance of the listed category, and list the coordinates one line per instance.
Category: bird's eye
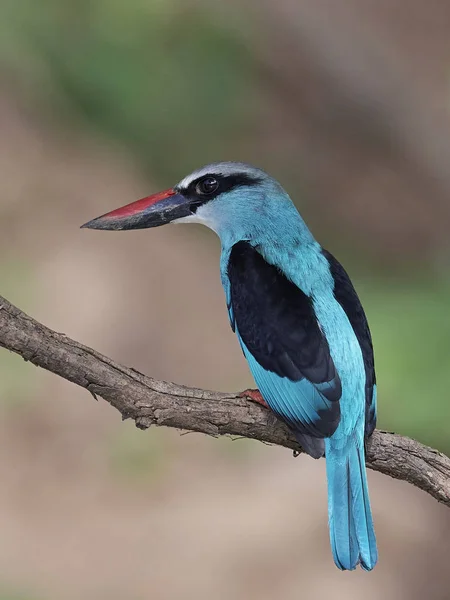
(206, 186)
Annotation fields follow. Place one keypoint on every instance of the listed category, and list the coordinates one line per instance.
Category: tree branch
(150, 402)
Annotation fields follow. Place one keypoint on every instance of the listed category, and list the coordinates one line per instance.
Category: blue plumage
(331, 344)
(352, 534)
(335, 333)
(300, 324)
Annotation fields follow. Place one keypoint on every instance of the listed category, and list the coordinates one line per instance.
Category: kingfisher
(299, 322)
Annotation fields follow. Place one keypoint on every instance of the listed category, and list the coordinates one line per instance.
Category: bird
(300, 325)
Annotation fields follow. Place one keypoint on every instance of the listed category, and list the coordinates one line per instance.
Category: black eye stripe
(226, 184)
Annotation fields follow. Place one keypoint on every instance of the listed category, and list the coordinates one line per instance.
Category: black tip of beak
(89, 225)
(100, 223)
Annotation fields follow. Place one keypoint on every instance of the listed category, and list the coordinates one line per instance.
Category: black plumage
(276, 320)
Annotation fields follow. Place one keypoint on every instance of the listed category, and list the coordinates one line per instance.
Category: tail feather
(352, 534)
(369, 552)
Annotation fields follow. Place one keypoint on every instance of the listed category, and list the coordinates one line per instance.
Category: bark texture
(151, 402)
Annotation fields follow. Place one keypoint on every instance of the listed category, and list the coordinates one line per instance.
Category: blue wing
(286, 350)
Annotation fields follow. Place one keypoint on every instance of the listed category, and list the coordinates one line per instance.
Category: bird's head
(235, 200)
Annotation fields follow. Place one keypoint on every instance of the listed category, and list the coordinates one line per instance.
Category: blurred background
(347, 103)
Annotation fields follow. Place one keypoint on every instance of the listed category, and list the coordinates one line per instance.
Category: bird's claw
(254, 396)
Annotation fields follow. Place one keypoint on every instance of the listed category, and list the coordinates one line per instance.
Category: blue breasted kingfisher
(299, 322)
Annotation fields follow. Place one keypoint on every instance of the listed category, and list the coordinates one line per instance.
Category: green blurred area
(135, 72)
(410, 324)
(176, 87)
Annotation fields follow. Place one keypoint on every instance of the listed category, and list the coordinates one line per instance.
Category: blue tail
(352, 534)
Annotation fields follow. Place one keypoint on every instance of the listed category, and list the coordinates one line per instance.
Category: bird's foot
(254, 396)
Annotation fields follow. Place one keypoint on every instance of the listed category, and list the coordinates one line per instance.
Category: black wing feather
(347, 297)
(276, 321)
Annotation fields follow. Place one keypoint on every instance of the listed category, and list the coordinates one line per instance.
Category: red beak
(152, 211)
